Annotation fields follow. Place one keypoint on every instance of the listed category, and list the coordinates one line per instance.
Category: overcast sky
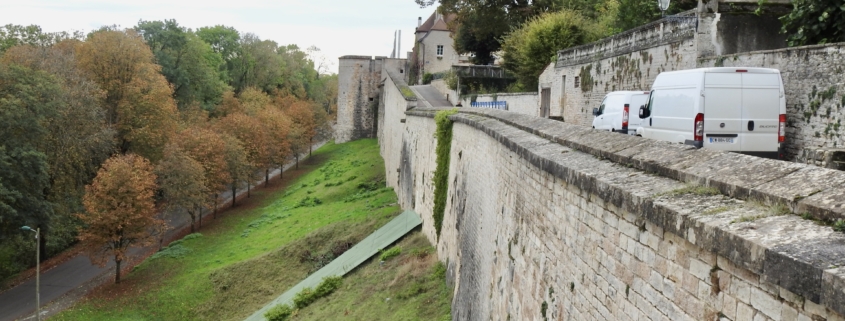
(337, 27)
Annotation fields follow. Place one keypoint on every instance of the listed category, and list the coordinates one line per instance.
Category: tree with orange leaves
(208, 148)
(253, 139)
(301, 114)
(277, 126)
(119, 210)
(182, 182)
(138, 99)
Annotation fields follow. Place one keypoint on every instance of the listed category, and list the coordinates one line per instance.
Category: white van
(733, 109)
(613, 113)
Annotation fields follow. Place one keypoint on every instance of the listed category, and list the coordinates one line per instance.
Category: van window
(615, 103)
(601, 108)
(674, 103)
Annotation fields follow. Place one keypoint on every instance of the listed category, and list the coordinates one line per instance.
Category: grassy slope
(410, 286)
(253, 253)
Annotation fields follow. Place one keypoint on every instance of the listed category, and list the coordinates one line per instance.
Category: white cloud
(337, 27)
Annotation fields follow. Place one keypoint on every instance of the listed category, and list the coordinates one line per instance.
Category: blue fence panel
(503, 105)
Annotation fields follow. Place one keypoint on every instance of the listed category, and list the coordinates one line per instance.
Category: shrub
(279, 313)
(839, 226)
(308, 295)
(427, 78)
(529, 49)
(391, 253)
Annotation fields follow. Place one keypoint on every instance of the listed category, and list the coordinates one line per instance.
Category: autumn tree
(277, 125)
(253, 138)
(138, 100)
(237, 165)
(182, 182)
(207, 148)
(302, 116)
(119, 210)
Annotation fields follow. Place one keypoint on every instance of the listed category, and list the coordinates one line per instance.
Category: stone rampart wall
(551, 220)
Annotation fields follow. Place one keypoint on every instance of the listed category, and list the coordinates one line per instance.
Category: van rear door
(723, 110)
(760, 111)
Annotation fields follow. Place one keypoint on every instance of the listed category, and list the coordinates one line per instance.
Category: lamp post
(663, 4)
(37, 270)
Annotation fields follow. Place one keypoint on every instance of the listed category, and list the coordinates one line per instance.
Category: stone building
(433, 47)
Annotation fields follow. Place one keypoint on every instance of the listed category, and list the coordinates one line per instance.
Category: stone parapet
(661, 32)
(748, 245)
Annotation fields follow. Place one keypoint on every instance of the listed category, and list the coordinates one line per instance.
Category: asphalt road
(432, 96)
(19, 302)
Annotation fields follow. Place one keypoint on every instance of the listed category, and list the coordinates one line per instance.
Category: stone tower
(357, 97)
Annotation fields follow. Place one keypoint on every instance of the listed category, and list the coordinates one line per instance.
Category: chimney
(419, 22)
(399, 45)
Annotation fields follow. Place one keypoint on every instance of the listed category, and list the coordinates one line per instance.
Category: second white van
(733, 109)
(613, 114)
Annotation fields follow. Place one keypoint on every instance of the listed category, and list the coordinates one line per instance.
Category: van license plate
(721, 140)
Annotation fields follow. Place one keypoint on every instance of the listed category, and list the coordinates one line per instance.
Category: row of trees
(104, 130)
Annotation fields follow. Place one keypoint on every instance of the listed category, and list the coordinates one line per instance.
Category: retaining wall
(549, 220)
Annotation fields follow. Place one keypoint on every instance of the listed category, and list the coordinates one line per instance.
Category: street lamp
(663, 4)
(37, 270)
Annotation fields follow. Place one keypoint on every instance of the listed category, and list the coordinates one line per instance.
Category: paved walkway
(18, 303)
(349, 260)
(430, 96)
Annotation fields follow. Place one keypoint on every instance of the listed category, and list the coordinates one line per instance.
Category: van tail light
(625, 116)
(782, 128)
(698, 130)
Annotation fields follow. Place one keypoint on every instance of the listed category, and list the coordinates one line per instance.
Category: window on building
(439, 50)
(577, 82)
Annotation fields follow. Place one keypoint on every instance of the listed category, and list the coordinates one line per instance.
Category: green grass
(255, 252)
(410, 286)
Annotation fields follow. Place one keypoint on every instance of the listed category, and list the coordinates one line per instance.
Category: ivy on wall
(441, 173)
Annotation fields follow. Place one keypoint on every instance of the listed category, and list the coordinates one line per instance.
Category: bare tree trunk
(193, 218)
(116, 270)
(248, 188)
(266, 177)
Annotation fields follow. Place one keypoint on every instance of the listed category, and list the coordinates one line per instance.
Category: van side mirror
(595, 112)
(644, 112)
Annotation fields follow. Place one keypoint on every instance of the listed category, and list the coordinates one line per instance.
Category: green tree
(28, 100)
(479, 25)
(13, 35)
(635, 13)
(119, 210)
(77, 139)
(189, 64)
(224, 41)
(530, 49)
(814, 22)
